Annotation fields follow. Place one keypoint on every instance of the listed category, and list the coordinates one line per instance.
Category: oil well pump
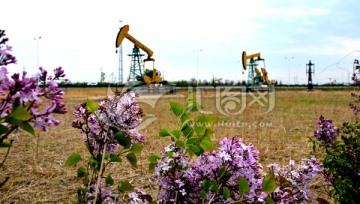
(257, 81)
(148, 81)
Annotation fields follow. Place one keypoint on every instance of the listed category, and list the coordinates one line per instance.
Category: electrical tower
(136, 67)
(310, 71)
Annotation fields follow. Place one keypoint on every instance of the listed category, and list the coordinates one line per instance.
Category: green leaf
(81, 172)
(203, 194)
(208, 134)
(164, 132)
(13, 121)
(225, 176)
(206, 184)
(207, 145)
(28, 128)
(176, 108)
(93, 163)
(126, 186)
(20, 113)
(122, 140)
(222, 171)
(151, 167)
(136, 148)
(214, 186)
(226, 193)
(177, 133)
(268, 200)
(114, 158)
(194, 149)
(243, 186)
(23, 125)
(185, 117)
(269, 184)
(73, 159)
(109, 180)
(200, 130)
(132, 159)
(191, 140)
(188, 132)
(180, 144)
(3, 129)
(5, 144)
(91, 106)
(154, 157)
(192, 106)
(186, 124)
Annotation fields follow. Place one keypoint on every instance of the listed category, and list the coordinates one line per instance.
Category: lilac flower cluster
(326, 132)
(169, 173)
(180, 180)
(116, 113)
(294, 180)
(23, 91)
(5, 57)
(136, 197)
(354, 106)
(106, 194)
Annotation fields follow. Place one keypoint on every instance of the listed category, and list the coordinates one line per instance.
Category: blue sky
(80, 36)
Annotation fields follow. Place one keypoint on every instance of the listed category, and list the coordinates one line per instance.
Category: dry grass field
(36, 164)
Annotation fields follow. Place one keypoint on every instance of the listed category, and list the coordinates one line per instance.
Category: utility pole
(37, 50)
(197, 66)
(289, 58)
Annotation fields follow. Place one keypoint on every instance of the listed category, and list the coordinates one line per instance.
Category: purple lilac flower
(5, 57)
(41, 102)
(105, 194)
(120, 112)
(298, 177)
(180, 179)
(135, 197)
(354, 106)
(326, 132)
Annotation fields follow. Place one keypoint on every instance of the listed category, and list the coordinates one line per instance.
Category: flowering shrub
(230, 174)
(23, 104)
(109, 132)
(213, 177)
(342, 158)
(354, 106)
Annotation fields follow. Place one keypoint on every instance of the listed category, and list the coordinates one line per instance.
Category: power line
(337, 63)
